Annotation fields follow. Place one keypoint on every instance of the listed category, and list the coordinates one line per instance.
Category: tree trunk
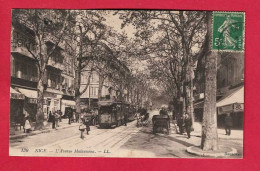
(40, 115)
(189, 94)
(100, 85)
(77, 87)
(209, 140)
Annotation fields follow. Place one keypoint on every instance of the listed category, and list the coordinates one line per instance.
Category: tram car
(112, 113)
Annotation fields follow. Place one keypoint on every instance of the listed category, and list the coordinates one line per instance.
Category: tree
(209, 140)
(45, 26)
(86, 31)
(174, 37)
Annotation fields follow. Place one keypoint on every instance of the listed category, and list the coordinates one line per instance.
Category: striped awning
(15, 94)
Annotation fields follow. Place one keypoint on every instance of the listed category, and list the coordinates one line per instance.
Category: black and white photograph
(127, 83)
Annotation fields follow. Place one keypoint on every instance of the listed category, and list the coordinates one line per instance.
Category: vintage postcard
(127, 83)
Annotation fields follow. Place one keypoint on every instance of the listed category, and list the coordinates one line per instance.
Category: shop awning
(68, 102)
(15, 94)
(54, 91)
(28, 93)
(235, 95)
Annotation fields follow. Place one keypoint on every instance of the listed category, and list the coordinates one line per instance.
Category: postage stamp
(228, 31)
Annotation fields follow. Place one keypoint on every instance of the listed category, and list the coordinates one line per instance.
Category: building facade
(230, 89)
(90, 97)
(58, 79)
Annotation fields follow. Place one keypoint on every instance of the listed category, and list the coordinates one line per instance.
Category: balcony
(56, 65)
(52, 39)
(17, 47)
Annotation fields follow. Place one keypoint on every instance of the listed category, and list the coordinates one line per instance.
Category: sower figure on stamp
(228, 124)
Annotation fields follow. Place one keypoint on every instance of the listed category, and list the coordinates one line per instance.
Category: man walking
(228, 124)
(70, 114)
(188, 124)
(180, 123)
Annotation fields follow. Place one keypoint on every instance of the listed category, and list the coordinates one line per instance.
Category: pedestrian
(27, 125)
(180, 123)
(228, 124)
(70, 114)
(52, 119)
(49, 117)
(187, 124)
(163, 111)
(57, 117)
(77, 117)
(82, 129)
(60, 113)
(87, 123)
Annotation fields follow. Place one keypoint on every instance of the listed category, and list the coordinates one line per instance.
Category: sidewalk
(48, 128)
(235, 134)
(235, 140)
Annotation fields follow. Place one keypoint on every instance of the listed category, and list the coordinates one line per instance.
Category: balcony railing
(54, 40)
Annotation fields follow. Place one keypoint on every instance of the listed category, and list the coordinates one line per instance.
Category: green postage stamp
(228, 31)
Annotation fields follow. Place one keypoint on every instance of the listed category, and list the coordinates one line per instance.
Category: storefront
(52, 101)
(232, 102)
(67, 103)
(30, 103)
(16, 107)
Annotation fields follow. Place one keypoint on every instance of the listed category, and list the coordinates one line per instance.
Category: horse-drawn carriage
(161, 123)
(142, 117)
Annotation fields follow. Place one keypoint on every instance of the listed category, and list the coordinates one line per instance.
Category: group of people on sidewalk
(55, 118)
(184, 122)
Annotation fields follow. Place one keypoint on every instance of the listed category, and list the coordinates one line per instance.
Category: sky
(114, 22)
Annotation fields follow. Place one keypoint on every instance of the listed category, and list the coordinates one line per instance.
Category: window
(24, 70)
(54, 81)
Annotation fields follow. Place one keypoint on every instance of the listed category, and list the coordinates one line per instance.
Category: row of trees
(91, 44)
(172, 43)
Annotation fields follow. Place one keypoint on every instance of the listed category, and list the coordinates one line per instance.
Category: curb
(14, 137)
(206, 154)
